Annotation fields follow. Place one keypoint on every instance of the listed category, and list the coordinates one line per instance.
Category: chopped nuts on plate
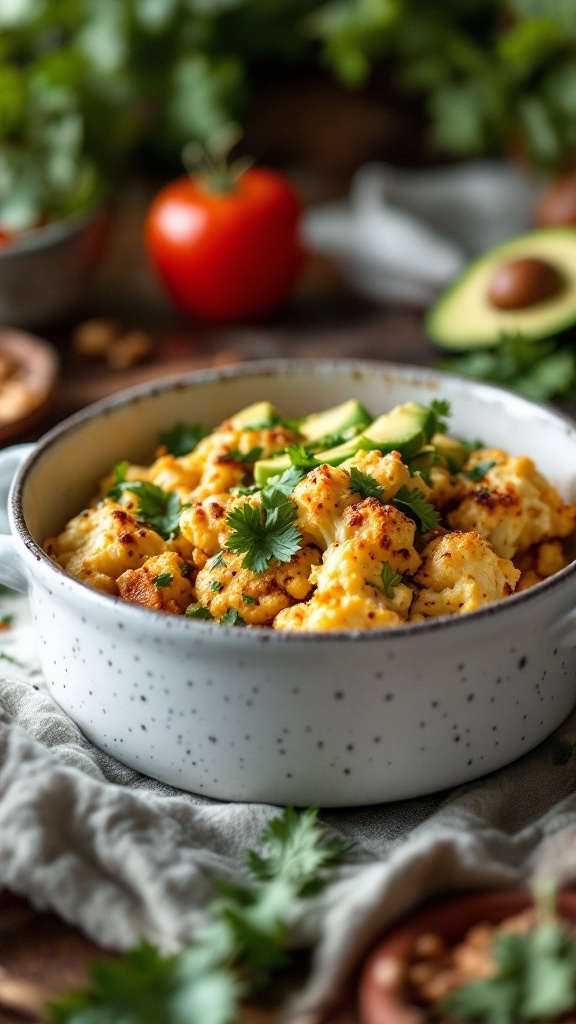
(28, 373)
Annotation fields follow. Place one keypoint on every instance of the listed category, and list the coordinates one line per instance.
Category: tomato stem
(209, 164)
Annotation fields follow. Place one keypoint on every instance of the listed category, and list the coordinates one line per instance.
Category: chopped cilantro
(198, 611)
(216, 586)
(216, 561)
(440, 409)
(479, 471)
(162, 580)
(232, 618)
(155, 507)
(414, 505)
(301, 458)
(182, 438)
(280, 487)
(186, 569)
(6, 621)
(249, 599)
(246, 458)
(390, 580)
(10, 659)
(246, 491)
(264, 534)
(365, 484)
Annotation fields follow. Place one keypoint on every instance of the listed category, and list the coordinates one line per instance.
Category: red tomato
(226, 256)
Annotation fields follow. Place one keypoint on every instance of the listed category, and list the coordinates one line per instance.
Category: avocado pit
(523, 283)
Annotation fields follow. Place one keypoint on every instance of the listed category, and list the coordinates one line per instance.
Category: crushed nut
(93, 338)
(133, 347)
(16, 400)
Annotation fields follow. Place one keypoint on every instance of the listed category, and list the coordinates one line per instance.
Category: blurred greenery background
(88, 86)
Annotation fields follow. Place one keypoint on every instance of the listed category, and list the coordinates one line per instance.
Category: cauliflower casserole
(332, 522)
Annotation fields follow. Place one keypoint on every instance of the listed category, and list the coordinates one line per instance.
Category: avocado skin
(462, 319)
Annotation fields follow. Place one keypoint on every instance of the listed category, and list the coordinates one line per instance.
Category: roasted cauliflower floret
(216, 467)
(539, 562)
(224, 585)
(388, 470)
(202, 525)
(350, 590)
(337, 610)
(102, 542)
(460, 572)
(162, 583)
(513, 506)
(321, 498)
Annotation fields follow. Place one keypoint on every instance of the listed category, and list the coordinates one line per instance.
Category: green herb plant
(541, 370)
(236, 954)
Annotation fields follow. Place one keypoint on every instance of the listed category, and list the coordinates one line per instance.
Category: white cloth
(405, 235)
(125, 857)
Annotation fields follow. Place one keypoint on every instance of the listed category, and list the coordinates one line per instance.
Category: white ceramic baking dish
(251, 714)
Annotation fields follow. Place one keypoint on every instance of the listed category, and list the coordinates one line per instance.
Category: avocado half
(463, 317)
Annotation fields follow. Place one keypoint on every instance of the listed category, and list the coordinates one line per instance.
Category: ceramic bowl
(46, 271)
(333, 719)
(380, 997)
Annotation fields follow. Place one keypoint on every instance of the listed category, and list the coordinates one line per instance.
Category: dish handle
(11, 567)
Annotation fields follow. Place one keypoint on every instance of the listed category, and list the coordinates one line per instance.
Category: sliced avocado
(464, 317)
(335, 420)
(254, 415)
(451, 451)
(406, 428)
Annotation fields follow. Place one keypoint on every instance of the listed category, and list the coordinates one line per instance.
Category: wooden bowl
(28, 377)
(380, 1001)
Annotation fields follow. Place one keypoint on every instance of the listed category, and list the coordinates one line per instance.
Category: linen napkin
(404, 236)
(125, 857)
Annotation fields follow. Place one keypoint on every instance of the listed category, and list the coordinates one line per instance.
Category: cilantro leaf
(479, 471)
(216, 586)
(440, 409)
(280, 487)
(414, 505)
(295, 850)
(301, 458)
(390, 580)
(159, 509)
(365, 484)
(232, 618)
(249, 599)
(198, 611)
(163, 579)
(246, 458)
(216, 561)
(264, 534)
(182, 438)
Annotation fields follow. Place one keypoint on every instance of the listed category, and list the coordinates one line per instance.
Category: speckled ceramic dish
(331, 719)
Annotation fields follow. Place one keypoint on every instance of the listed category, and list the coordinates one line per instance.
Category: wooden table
(325, 319)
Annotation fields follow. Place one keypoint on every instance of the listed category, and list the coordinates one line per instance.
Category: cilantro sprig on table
(236, 953)
(159, 509)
